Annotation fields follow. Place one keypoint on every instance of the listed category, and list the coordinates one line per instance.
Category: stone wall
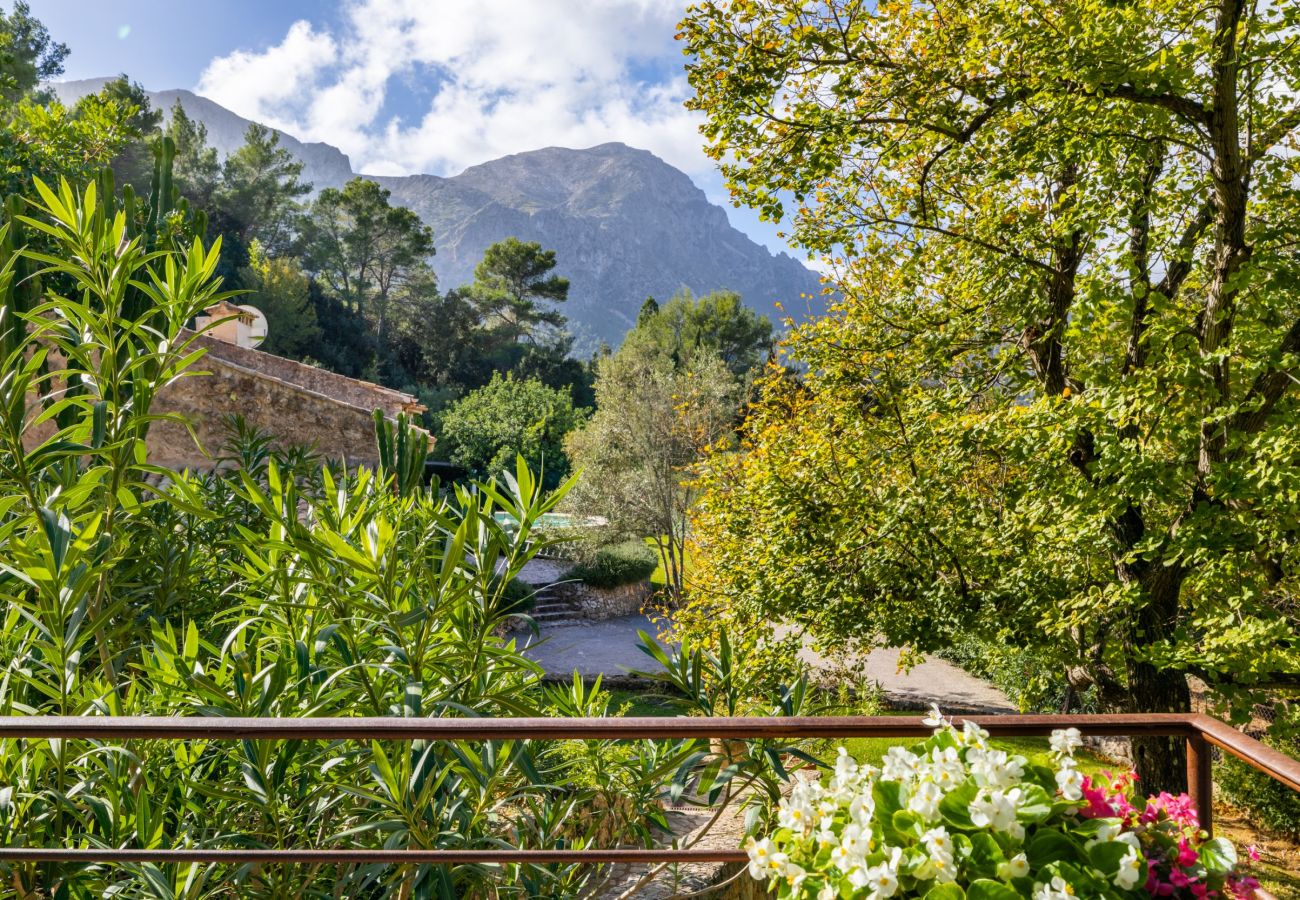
(350, 391)
(605, 603)
(295, 402)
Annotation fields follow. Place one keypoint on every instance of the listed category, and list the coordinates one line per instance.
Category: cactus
(403, 448)
(20, 291)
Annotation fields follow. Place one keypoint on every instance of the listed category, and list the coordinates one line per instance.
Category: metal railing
(1200, 733)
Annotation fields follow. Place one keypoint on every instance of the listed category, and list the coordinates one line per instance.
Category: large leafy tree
(282, 291)
(28, 55)
(261, 191)
(514, 286)
(509, 418)
(655, 414)
(371, 253)
(1058, 404)
(134, 164)
(718, 321)
(196, 167)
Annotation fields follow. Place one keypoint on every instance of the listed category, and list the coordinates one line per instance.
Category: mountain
(323, 165)
(623, 223)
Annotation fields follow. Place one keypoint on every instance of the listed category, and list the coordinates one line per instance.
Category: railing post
(1200, 779)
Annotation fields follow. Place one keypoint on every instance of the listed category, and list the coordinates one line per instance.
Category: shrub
(1032, 681)
(616, 565)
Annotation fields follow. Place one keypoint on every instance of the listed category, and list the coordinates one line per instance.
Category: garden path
(609, 648)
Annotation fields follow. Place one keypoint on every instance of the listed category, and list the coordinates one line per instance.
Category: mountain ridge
(624, 223)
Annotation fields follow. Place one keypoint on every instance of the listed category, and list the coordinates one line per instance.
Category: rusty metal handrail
(1199, 731)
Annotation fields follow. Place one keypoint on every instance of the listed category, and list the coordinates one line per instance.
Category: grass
(659, 579)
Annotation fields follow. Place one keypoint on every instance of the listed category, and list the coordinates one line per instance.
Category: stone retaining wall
(605, 603)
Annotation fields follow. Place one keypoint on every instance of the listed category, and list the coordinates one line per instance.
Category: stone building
(296, 402)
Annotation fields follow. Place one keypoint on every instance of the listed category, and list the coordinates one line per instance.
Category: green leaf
(1047, 847)
(945, 892)
(1035, 805)
(1218, 856)
(955, 806)
(984, 889)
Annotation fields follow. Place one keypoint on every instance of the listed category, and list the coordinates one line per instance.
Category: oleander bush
(615, 565)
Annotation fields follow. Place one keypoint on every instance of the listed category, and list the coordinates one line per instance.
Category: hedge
(615, 565)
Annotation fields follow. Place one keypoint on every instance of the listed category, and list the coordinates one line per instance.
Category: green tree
(28, 55)
(260, 192)
(512, 283)
(718, 321)
(654, 417)
(1058, 404)
(50, 141)
(197, 168)
(373, 254)
(134, 164)
(488, 428)
(282, 291)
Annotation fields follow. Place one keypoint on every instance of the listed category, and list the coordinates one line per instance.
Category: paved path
(609, 648)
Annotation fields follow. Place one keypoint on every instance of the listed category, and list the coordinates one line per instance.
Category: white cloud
(499, 77)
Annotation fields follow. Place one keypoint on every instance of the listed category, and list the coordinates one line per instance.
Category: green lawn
(658, 579)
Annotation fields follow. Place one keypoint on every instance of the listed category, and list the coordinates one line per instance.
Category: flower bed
(952, 818)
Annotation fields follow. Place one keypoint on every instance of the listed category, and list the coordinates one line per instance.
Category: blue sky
(407, 86)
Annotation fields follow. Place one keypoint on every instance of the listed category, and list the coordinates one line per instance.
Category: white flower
(843, 860)
(1059, 889)
(1132, 869)
(899, 764)
(994, 769)
(862, 808)
(925, 800)
(972, 735)
(1069, 781)
(798, 817)
(762, 855)
(1065, 741)
(935, 719)
(1016, 867)
(1107, 830)
(944, 768)
(995, 809)
(794, 876)
(856, 841)
(937, 842)
(882, 879)
(826, 893)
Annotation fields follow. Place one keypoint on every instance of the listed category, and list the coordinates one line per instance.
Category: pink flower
(1186, 853)
(1252, 853)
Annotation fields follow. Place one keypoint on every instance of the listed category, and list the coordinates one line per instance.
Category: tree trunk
(1161, 763)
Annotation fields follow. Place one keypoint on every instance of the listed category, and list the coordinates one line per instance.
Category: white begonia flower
(972, 735)
(995, 769)
(935, 719)
(794, 876)
(1107, 830)
(760, 857)
(1016, 867)
(1059, 889)
(882, 879)
(1069, 781)
(827, 893)
(862, 808)
(1065, 741)
(856, 841)
(937, 841)
(798, 817)
(899, 764)
(1132, 869)
(995, 809)
(944, 768)
(843, 860)
(925, 800)
(1131, 839)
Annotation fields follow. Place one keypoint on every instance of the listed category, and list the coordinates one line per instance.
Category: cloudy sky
(407, 86)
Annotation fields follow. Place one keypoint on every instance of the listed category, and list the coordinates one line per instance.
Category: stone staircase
(549, 608)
